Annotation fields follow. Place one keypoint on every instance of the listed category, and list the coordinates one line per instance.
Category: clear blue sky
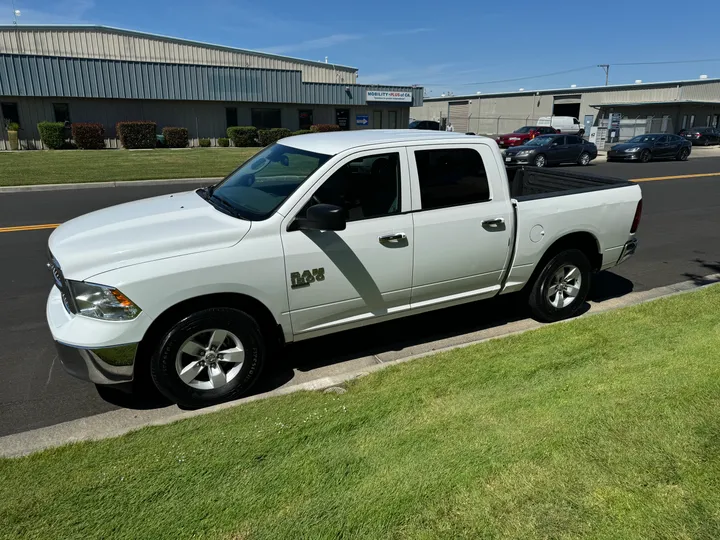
(455, 46)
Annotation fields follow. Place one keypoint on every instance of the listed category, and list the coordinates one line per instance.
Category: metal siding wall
(95, 43)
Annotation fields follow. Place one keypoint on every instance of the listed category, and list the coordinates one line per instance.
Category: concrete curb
(122, 421)
(92, 185)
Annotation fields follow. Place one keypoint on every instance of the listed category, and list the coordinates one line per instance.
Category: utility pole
(606, 68)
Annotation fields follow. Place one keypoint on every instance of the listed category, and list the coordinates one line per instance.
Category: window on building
(692, 120)
(305, 117)
(10, 113)
(61, 112)
(392, 119)
(231, 117)
(451, 177)
(266, 118)
(684, 122)
(367, 187)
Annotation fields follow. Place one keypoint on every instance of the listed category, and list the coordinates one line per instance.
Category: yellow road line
(675, 177)
(29, 227)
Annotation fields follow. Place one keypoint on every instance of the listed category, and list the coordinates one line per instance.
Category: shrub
(322, 128)
(242, 135)
(269, 136)
(13, 126)
(52, 134)
(302, 132)
(222, 141)
(205, 143)
(89, 136)
(175, 137)
(140, 134)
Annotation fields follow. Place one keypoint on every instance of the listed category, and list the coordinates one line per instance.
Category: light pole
(606, 68)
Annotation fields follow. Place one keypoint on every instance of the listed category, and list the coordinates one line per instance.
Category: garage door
(459, 111)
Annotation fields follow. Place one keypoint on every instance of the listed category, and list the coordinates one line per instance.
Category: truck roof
(335, 142)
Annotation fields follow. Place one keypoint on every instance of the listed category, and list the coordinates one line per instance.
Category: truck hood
(142, 231)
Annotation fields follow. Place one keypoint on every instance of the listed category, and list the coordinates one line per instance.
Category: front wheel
(562, 286)
(645, 156)
(584, 159)
(211, 356)
(683, 154)
(540, 161)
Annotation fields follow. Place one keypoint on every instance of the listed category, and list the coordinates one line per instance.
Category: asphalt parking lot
(678, 240)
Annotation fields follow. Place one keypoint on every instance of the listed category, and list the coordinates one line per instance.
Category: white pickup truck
(318, 234)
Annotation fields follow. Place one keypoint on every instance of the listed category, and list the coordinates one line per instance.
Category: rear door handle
(494, 224)
(395, 237)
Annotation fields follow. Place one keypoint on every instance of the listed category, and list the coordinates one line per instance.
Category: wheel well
(257, 310)
(583, 241)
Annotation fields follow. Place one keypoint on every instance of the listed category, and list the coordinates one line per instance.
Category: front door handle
(496, 224)
(395, 237)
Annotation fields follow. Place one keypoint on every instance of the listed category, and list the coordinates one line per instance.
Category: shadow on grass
(396, 335)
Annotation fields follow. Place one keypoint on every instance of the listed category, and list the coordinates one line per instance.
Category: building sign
(342, 118)
(362, 119)
(385, 95)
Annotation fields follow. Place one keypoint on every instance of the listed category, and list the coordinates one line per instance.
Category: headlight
(633, 149)
(102, 302)
(524, 153)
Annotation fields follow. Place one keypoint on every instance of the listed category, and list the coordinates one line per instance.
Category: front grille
(61, 284)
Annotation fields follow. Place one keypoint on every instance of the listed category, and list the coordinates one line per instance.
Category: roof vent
(703, 76)
(573, 86)
(638, 81)
(521, 90)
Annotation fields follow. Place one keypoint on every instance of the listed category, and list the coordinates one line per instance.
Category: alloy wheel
(210, 359)
(564, 286)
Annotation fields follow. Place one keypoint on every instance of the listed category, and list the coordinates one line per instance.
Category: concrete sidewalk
(122, 421)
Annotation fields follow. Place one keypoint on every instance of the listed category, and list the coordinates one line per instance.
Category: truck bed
(530, 183)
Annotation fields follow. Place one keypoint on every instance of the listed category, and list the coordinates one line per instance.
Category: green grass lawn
(607, 427)
(66, 166)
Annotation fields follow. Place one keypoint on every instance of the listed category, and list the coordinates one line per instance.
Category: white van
(566, 124)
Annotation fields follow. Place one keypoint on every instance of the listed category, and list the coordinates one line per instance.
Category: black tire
(706, 142)
(163, 362)
(645, 156)
(581, 133)
(683, 154)
(540, 160)
(584, 159)
(540, 305)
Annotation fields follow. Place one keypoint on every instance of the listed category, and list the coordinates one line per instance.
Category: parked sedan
(425, 124)
(702, 136)
(552, 150)
(522, 135)
(643, 148)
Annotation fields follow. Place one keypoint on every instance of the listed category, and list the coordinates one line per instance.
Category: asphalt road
(678, 240)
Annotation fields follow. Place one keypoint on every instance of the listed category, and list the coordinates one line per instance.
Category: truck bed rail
(530, 183)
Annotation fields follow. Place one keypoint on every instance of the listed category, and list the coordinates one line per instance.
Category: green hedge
(140, 134)
(175, 137)
(303, 132)
(52, 134)
(270, 136)
(89, 136)
(322, 128)
(222, 141)
(242, 136)
(205, 143)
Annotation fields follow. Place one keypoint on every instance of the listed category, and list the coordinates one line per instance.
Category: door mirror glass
(323, 217)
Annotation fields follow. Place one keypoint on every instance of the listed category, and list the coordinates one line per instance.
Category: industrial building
(107, 75)
(630, 109)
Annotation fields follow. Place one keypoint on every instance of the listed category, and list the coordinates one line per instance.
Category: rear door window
(451, 177)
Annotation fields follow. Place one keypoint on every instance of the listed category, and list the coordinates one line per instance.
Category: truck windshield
(256, 189)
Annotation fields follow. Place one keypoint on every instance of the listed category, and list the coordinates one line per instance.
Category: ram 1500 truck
(317, 234)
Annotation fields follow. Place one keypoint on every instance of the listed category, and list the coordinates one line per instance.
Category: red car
(522, 135)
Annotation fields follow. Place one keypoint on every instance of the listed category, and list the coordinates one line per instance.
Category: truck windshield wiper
(229, 208)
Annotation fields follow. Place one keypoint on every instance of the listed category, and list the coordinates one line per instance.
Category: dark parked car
(522, 135)
(425, 124)
(702, 136)
(643, 148)
(552, 150)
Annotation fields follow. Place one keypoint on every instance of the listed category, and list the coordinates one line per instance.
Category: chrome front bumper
(111, 365)
(628, 251)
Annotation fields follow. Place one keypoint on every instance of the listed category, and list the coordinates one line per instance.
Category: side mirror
(323, 217)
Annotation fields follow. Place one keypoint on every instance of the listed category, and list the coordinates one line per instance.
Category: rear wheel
(683, 154)
(540, 160)
(211, 356)
(561, 287)
(584, 159)
(645, 156)
(706, 142)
